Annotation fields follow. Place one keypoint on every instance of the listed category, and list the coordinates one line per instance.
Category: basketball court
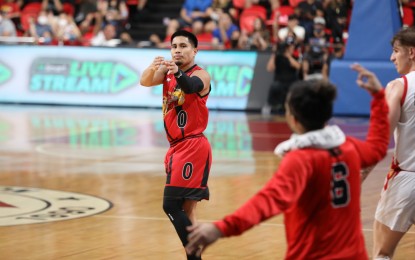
(87, 183)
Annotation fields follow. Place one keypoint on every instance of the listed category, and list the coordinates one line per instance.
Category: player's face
(401, 57)
(182, 51)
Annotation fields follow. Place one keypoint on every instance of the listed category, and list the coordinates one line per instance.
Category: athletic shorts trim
(186, 193)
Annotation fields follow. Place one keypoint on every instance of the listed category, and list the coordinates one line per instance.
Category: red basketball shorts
(187, 165)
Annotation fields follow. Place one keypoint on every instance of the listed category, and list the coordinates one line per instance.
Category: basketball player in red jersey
(186, 88)
(317, 184)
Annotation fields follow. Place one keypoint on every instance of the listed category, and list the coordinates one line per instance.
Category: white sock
(382, 258)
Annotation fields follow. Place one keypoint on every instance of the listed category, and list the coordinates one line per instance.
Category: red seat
(31, 10)
(33, 7)
(408, 18)
(248, 16)
(69, 9)
(205, 41)
(238, 4)
(283, 11)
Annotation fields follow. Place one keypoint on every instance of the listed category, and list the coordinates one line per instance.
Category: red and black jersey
(184, 114)
(318, 191)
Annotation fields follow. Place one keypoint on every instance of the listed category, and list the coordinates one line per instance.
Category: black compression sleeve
(188, 84)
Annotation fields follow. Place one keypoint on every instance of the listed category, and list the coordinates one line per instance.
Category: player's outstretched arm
(154, 74)
(374, 148)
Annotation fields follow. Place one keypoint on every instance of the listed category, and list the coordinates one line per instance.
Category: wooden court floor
(116, 156)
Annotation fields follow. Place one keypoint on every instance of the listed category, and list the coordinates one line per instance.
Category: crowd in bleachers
(219, 24)
(65, 22)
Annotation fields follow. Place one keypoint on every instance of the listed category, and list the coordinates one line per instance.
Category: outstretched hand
(171, 66)
(366, 79)
(200, 236)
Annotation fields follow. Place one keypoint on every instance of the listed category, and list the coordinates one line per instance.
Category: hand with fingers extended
(201, 235)
(367, 79)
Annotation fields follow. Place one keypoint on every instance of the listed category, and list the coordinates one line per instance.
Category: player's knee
(172, 205)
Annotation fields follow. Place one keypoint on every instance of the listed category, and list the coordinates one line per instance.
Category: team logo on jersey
(24, 205)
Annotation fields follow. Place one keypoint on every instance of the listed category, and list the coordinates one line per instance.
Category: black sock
(174, 210)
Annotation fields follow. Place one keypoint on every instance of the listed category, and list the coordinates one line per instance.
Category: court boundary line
(208, 221)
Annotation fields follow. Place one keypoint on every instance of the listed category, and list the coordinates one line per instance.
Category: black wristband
(178, 74)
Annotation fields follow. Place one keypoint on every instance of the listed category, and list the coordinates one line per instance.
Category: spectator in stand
(7, 27)
(294, 27)
(59, 6)
(66, 31)
(106, 37)
(336, 12)
(198, 29)
(316, 54)
(227, 34)
(285, 66)
(85, 8)
(113, 11)
(172, 27)
(193, 10)
(259, 39)
(222, 6)
(90, 27)
(11, 10)
(307, 11)
(268, 4)
(42, 29)
(336, 51)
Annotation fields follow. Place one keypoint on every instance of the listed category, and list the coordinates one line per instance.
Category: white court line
(204, 220)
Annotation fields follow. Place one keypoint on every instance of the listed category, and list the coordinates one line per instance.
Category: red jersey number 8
(340, 191)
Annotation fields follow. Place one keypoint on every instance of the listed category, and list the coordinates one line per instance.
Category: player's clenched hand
(200, 236)
(367, 79)
(171, 66)
(157, 62)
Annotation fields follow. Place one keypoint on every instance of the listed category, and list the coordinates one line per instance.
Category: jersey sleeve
(374, 148)
(278, 194)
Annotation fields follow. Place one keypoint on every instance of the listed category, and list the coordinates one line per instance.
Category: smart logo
(5, 73)
(73, 76)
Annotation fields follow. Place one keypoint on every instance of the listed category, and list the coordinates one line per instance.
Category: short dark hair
(192, 38)
(406, 37)
(311, 102)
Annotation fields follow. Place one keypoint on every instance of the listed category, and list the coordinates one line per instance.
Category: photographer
(286, 69)
(316, 56)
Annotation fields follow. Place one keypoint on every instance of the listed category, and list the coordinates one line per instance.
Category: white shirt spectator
(7, 27)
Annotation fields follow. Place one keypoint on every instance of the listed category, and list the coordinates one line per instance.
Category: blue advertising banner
(111, 76)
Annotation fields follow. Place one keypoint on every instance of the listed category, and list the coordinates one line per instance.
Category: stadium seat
(30, 10)
(238, 4)
(284, 11)
(248, 16)
(408, 18)
(69, 9)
